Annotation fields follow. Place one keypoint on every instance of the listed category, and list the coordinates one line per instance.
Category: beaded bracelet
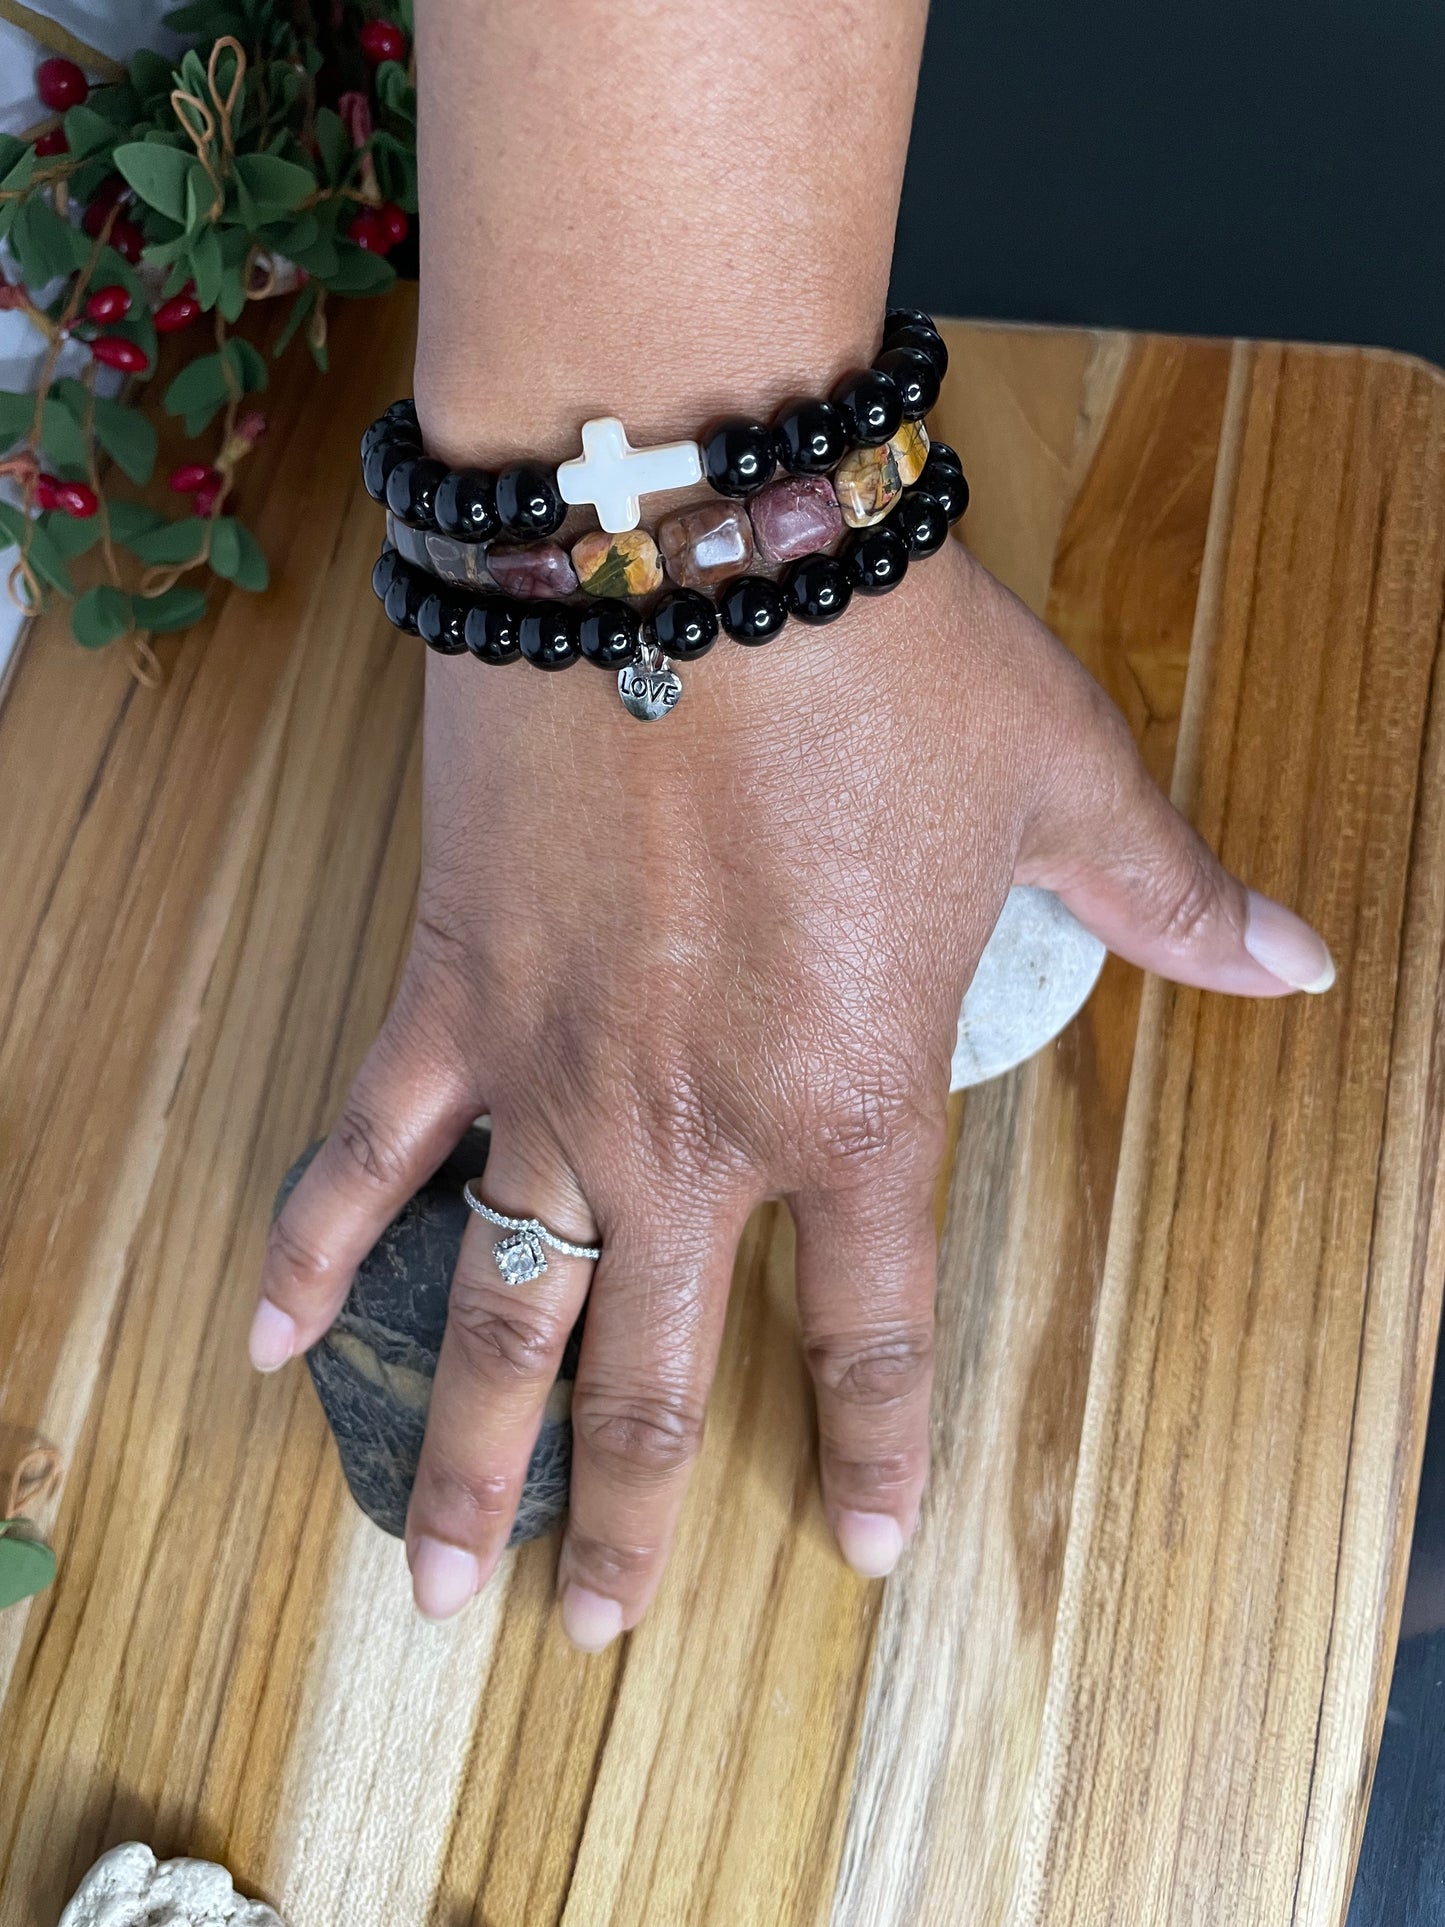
(500, 601)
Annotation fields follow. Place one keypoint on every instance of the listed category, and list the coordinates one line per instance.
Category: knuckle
(367, 1150)
(1185, 899)
(610, 1564)
(879, 1117)
(880, 1477)
(469, 1500)
(879, 1369)
(289, 1255)
(646, 1436)
(498, 1339)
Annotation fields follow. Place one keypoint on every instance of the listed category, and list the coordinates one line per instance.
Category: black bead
(916, 379)
(920, 520)
(753, 609)
(871, 407)
(528, 504)
(411, 490)
(810, 438)
(383, 572)
(466, 505)
(738, 456)
(609, 633)
(897, 318)
(491, 629)
(876, 560)
(684, 624)
(404, 414)
(818, 589)
(947, 486)
(547, 633)
(378, 463)
(441, 622)
(941, 455)
(927, 341)
(409, 589)
(381, 432)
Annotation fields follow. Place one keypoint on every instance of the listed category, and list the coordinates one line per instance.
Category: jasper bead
(947, 486)
(706, 545)
(617, 565)
(876, 560)
(491, 630)
(871, 407)
(461, 562)
(752, 609)
(543, 570)
(441, 620)
(818, 589)
(915, 377)
(920, 520)
(377, 464)
(411, 490)
(925, 341)
(868, 485)
(547, 634)
(796, 515)
(810, 438)
(528, 503)
(684, 624)
(738, 456)
(910, 452)
(466, 505)
(609, 633)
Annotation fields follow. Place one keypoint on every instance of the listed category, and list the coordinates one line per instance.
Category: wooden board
(1134, 1669)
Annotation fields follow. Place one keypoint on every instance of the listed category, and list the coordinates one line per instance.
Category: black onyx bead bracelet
(470, 565)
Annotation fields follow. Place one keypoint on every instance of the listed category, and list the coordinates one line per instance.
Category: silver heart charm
(649, 687)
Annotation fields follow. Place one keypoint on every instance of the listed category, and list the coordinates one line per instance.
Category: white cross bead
(610, 475)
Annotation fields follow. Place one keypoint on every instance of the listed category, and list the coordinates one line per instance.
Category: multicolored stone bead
(868, 485)
(541, 570)
(460, 562)
(910, 451)
(706, 545)
(626, 564)
(796, 515)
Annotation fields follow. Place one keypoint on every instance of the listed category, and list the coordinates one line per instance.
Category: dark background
(1274, 168)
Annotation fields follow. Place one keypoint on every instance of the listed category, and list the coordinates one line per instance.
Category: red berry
(116, 352)
(50, 143)
(47, 491)
(111, 192)
(380, 41)
(77, 500)
(107, 305)
(208, 499)
(394, 223)
(368, 232)
(191, 476)
(60, 84)
(127, 240)
(177, 313)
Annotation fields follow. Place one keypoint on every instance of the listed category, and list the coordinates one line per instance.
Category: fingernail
(273, 1337)
(1285, 946)
(589, 1620)
(871, 1542)
(443, 1578)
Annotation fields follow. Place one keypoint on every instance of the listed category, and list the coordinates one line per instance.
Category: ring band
(521, 1256)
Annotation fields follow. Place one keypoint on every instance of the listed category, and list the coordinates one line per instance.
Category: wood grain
(1135, 1667)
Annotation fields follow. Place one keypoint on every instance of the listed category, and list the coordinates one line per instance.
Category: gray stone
(129, 1887)
(1034, 976)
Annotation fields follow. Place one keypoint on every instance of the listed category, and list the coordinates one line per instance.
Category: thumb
(1135, 873)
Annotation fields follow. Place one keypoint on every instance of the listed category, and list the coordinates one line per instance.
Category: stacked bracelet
(470, 564)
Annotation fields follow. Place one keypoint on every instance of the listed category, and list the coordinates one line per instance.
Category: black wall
(1221, 167)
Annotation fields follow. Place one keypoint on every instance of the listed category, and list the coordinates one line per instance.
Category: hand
(691, 965)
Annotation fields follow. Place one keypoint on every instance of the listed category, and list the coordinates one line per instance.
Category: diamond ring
(522, 1256)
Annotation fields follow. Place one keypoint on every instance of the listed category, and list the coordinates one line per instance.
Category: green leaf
(63, 436)
(201, 384)
(101, 614)
(11, 150)
(152, 76)
(17, 411)
(127, 437)
(394, 90)
(177, 608)
(19, 173)
(117, 105)
(45, 558)
(232, 298)
(71, 535)
(248, 365)
(333, 144)
(27, 1565)
(172, 542)
(206, 266)
(300, 308)
(44, 244)
(237, 555)
(131, 522)
(158, 173)
(275, 183)
(86, 131)
(359, 272)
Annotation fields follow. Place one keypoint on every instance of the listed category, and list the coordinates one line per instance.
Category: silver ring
(521, 1257)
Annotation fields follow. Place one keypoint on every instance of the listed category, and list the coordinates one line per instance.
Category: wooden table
(1134, 1669)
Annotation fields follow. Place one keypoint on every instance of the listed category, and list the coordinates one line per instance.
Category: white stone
(1034, 976)
(129, 1887)
(612, 476)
